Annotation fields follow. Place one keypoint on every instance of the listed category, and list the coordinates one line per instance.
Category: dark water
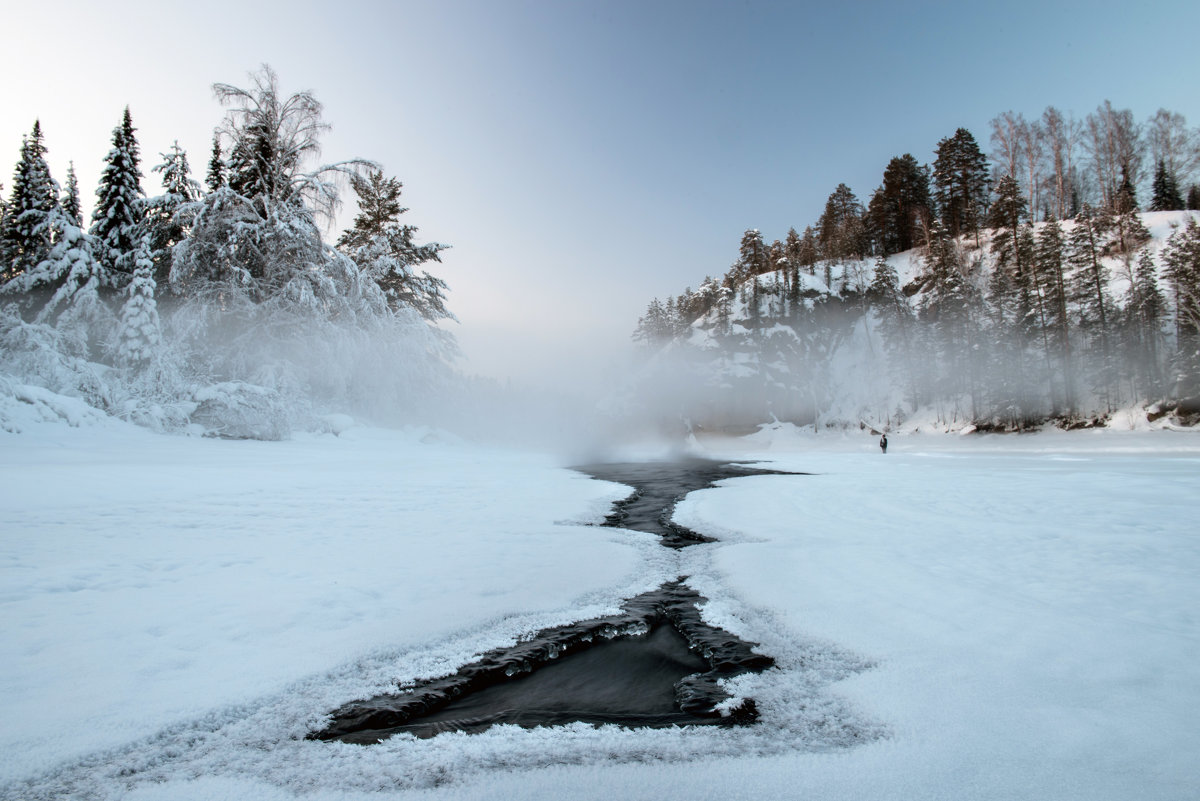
(655, 664)
(658, 486)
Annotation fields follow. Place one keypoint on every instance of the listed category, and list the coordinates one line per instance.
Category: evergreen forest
(219, 301)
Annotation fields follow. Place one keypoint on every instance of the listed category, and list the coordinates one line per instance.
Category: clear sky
(583, 157)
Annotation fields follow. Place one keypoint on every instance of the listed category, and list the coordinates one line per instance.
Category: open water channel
(655, 664)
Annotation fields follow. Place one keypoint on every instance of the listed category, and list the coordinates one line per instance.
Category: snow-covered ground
(965, 617)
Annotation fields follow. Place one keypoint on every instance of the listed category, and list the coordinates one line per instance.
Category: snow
(149, 580)
(966, 617)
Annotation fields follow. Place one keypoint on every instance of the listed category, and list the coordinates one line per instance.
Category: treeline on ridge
(1009, 314)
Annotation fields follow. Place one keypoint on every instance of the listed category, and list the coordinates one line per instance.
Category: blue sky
(583, 157)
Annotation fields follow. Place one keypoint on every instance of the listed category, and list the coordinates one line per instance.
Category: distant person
(883, 443)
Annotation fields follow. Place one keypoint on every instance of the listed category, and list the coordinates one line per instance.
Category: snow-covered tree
(215, 178)
(257, 237)
(63, 288)
(165, 213)
(656, 327)
(272, 139)
(26, 237)
(139, 333)
(118, 213)
(71, 204)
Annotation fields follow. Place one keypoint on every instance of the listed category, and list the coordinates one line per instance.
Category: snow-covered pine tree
(25, 239)
(215, 179)
(71, 204)
(139, 333)
(655, 328)
(118, 213)
(385, 251)
(63, 289)
(164, 213)
(752, 262)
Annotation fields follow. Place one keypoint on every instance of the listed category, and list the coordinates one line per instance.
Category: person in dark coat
(883, 443)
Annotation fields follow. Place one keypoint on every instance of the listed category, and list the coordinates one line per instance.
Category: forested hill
(998, 289)
(1004, 329)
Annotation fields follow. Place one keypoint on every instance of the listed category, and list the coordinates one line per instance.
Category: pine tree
(163, 214)
(810, 250)
(71, 204)
(1088, 291)
(26, 238)
(960, 180)
(843, 233)
(385, 250)
(1014, 286)
(118, 212)
(139, 332)
(1165, 191)
(656, 327)
(1182, 257)
(1048, 263)
(63, 288)
(949, 306)
(901, 208)
(1131, 233)
(794, 254)
(1145, 308)
(216, 167)
(1193, 198)
(752, 262)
